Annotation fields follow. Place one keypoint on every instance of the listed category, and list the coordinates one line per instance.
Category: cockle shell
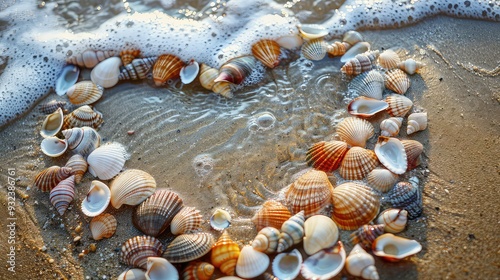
(136, 251)
(266, 240)
(106, 72)
(315, 49)
(389, 59)
(225, 253)
(352, 37)
(325, 264)
(366, 234)
(413, 149)
(188, 247)
(393, 219)
(131, 187)
(189, 72)
(160, 269)
(90, 58)
(290, 42)
(357, 163)
(391, 153)
(287, 265)
(153, 215)
(82, 140)
(63, 194)
(370, 84)
(365, 107)
(337, 48)
(83, 116)
(96, 200)
(267, 52)
(166, 67)
(397, 81)
(326, 156)
(103, 226)
(405, 195)
(223, 88)
(207, 76)
(354, 205)
(188, 219)
(399, 105)
(292, 232)
(360, 63)
(382, 179)
(53, 146)
(391, 126)
(355, 131)
(52, 124)
(48, 178)
(312, 31)
(138, 69)
(52, 106)
(320, 232)
(127, 56)
(236, 70)
(198, 271)
(360, 263)
(84, 93)
(251, 263)
(410, 66)
(357, 48)
(107, 161)
(394, 248)
(133, 274)
(416, 122)
(67, 78)
(272, 214)
(220, 219)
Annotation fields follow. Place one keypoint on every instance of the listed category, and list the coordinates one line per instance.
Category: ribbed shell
(166, 67)
(355, 131)
(198, 271)
(103, 226)
(391, 126)
(188, 247)
(225, 253)
(366, 234)
(320, 232)
(188, 219)
(236, 70)
(360, 63)
(128, 55)
(391, 153)
(382, 179)
(207, 76)
(251, 263)
(51, 106)
(357, 163)
(78, 166)
(153, 215)
(131, 187)
(292, 232)
(267, 52)
(106, 72)
(272, 214)
(397, 81)
(410, 66)
(136, 250)
(406, 196)
(266, 240)
(337, 48)
(107, 161)
(413, 149)
(315, 49)
(83, 116)
(90, 58)
(48, 178)
(370, 84)
(326, 156)
(394, 220)
(354, 205)
(82, 140)
(138, 69)
(365, 107)
(389, 59)
(399, 105)
(63, 194)
(84, 93)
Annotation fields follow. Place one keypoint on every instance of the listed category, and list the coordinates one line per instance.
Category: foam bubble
(261, 122)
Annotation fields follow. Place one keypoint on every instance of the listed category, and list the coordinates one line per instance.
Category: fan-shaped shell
(393, 219)
(382, 179)
(236, 70)
(198, 271)
(189, 72)
(138, 69)
(107, 161)
(354, 205)
(207, 76)
(48, 178)
(63, 194)
(78, 166)
(67, 78)
(266, 240)
(337, 48)
(272, 214)
(406, 196)
(360, 263)
(394, 248)
(131, 187)
(96, 200)
(90, 58)
(352, 37)
(103, 226)
(225, 253)
(52, 124)
(312, 31)
(366, 234)
(370, 84)
(106, 72)
(365, 107)
(413, 149)
(52, 106)
(391, 126)
(357, 163)
(53, 146)
(251, 263)
(397, 81)
(84, 93)
(325, 264)
(223, 88)
(133, 274)
(410, 66)
(389, 59)
(220, 219)
(315, 49)
(399, 105)
(127, 56)
(166, 67)
(83, 116)
(357, 48)
(188, 219)
(292, 232)
(360, 63)
(136, 251)
(326, 156)
(160, 269)
(287, 265)
(188, 247)
(416, 122)
(320, 232)
(355, 131)
(82, 140)
(267, 52)
(391, 153)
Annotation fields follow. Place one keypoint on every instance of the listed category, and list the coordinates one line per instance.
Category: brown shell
(138, 69)
(52, 106)
(399, 105)
(128, 55)
(63, 194)
(268, 52)
(326, 156)
(355, 131)
(84, 93)
(413, 149)
(397, 80)
(48, 178)
(167, 67)
(132, 187)
(103, 226)
(83, 116)
(198, 271)
(89, 58)
(354, 205)
(382, 179)
(236, 69)
(136, 251)
(188, 219)
(188, 247)
(78, 166)
(225, 253)
(223, 88)
(357, 163)
(272, 214)
(207, 76)
(366, 234)
(338, 48)
(360, 63)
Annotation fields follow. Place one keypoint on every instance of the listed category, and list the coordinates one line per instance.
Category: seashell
(410, 66)
(198, 271)
(406, 196)
(67, 78)
(229, 278)
(52, 106)
(133, 274)
(189, 72)
(82, 140)
(188, 247)
(272, 214)
(267, 52)
(365, 107)
(127, 56)
(287, 265)
(355, 131)
(311, 193)
(107, 161)
(131, 187)
(160, 269)
(391, 153)
(251, 263)
(357, 163)
(413, 149)
(352, 37)
(416, 122)
(292, 232)
(391, 126)
(188, 219)
(290, 42)
(48, 178)
(53, 146)
(207, 76)
(370, 84)
(136, 251)
(267, 276)
(166, 67)
(154, 215)
(394, 248)
(399, 105)
(52, 124)
(360, 263)
(354, 205)
(106, 72)
(382, 179)
(225, 253)
(89, 58)
(326, 156)
(63, 194)
(96, 200)
(314, 49)
(366, 234)
(389, 59)
(312, 31)
(337, 48)
(320, 232)
(266, 240)
(103, 226)
(393, 219)
(84, 93)
(138, 69)
(223, 88)
(236, 70)
(360, 63)
(83, 116)
(397, 81)
(325, 264)
(220, 219)
(357, 48)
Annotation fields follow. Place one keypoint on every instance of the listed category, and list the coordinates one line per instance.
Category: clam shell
(131, 187)
(382, 179)
(357, 163)
(127, 56)
(391, 126)
(166, 67)
(78, 166)
(67, 78)
(138, 69)
(154, 215)
(198, 271)
(266, 240)
(52, 106)
(370, 84)
(292, 232)
(315, 49)
(189, 72)
(267, 52)
(397, 81)
(96, 200)
(366, 234)
(312, 31)
(82, 140)
(354, 205)
(236, 70)
(207, 76)
(225, 253)
(360, 63)
(63, 194)
(106, 72)
(413, 149)
(160, 269)
(188, 247)
(337, 48)
(365, 107)
(389, 59)
(326, 156)
(416, 122)
(287, 265)
(223, 88)
(251, 263)
(410, 66)
(90, 58)
(355, 131)
(84, 93)
(352, 37)
(406, 196)
(52, 124)
(320, 232)
(107, 161)
(53, 146)
(48, 178)
(394, 248)
(220, 219)
(399, 105)
(188, 219)
(393, 219)
(136, 251)
(325, 264)
(357, 48)
(272, 214)
(103, 226)
(290, 42)
(133, 274)
(391, 153)
(360, 263)
(83, 116)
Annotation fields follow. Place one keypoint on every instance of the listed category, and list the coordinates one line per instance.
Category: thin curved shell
(67, 78)
(188, 247)
(326, 156)
(365, 107)
(391, 153)
(325, 264)
(96, 200)
(131, 187)
(103, 226)
(52, 124)
(354, 205)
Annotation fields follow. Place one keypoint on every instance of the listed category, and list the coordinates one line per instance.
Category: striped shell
(127, 56)
(223, 88)
(389, 59)
(103, 226)
(136, 251)
(360, 63)
(138, 69)
(188, 219)
(397, 81)
(96, 200)
(326, 156)
(366, 234)
(382, 179)
(292, 232)
(82, 140)
(251, 263)
(267, 52)
(337, 48)
(413, 149)
(166, 67)
(198, 271)
(272, 214)
(107, 161)
(354, 205)
(410, 66)
(51, 106)
(78, 166)
(236, 70)
(320, 232)
(83, 116)
(357, 163)
(266, 240)
(393, 219)
(391, 153)
(52, 124)
(391, 126)
(406, 196)
(89, 58)
(131, 187)
(106, 72)
(370, 84)
(225, 253)
(399, 105)
(188, 247)
(360, 263)
(48, 178)
(355, 131)
(365, 107)
(416, 122)
(63, 194)
(315, 49)
(207, 76)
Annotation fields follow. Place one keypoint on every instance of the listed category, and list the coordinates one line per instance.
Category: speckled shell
(325, 264)
(198, 271)
(389, 59)
(136, 250)
(413, 149)
(360, 263)
(366, 234)
(107, 161)
(223, 88)
(355, 131)
(391, 153)
(382, 179)
(251, 263)
(399, 105)
(292, 232)
(138, 69)
(393, 219)
(272, 214)
(360, 63)
(394, 248)
(106, 72)
(103, 226)
(188, 247)
(320, 232)
(52, 124)
(166, 67)
(82, 140)
(397, 81)
(78, 166)
(357, 163)
(207, 76)
(311, 193)
(188, 219)
(83, 116)
(365, 107)
(406, 196)
(267, 52)
(51, 106)
(96, 200)
(153, 215)
(225, 253)
(131, 187)
(236, 70)
(127, 56)
(63, 194)
(90, 58)
(48, 178)
(315, 49)
(370, 84)
(391, 126)
(410, 66)
(416, 122)
(326, 156)
(266, 240)
(354, 205)
(337, 48)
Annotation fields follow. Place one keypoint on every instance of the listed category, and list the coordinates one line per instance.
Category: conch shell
(90, 58)
(63, 194)
(292, 232)
(360, 263)
(360, 63)
(391, 126)
(236, 70)
(266, 240)
(48, 178)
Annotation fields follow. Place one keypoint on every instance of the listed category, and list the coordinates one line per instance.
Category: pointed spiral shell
(292, 232)
(138, 69)
(48, 178)
(78, 166)
(225, 253)
(63, 194)
(90, 58)
(266, 240)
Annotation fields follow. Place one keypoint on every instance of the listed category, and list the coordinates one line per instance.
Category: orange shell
(268, 52)
(128, 55)
(225, 253)
(198, 271)
(355, 131)
(359, 64)
(413, 149)
(167, 67)
(326, 156)
(354, 205)
(338, 48)
(399, 105)
(48, 178)
(357, 163)
(397, 80)
(272, 214)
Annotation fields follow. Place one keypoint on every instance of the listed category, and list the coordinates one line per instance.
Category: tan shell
(268, 52)
(326, 156)
(355, 131)
(360, 263)
(397, 81)
(354, 205)
(63, 194)
(78, 166)
(52, 124)
(48, 178)
(366, 107)
(382, 179)
(337, 48)
(51, 106)
(399, 105)
(207, 76)
(266, 240)
(131, 187)
(272, 214)
(389, 59)
(89, 58)
(223, 88)
(394, 220)
(360, 63)
(103, 226)
(167, 67)
(366, 234)
(394, 248)
(416, 122)
(410, 66)
(188, 247)
(83, 116)
(138, 69)
(225, 253)
(413, 149)
(357, 163)
(84, 93)
(107, 161)
(128, 55)
(292, 232)
(136, 251)
(82, 140)
(198, 271)
(314, 49)
(391, 126)
(251, 263)
(320, 232)
(188, 219)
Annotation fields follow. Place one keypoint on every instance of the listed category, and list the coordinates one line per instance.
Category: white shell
(358, 48)
(325, 264)
(53, 146)
(220, 220)
(131, 187)
(391, 153)
(107, 161)
(389, 59)
(320, 232)
(394, 220)
(382, 179)
(391, 126)
(287, 265)
(189, 72)
(365, 107)
(312, 31)
(96, 200)
(394, 248)
(106, 72)
(352, 37)
(360, 263)
(133, 274)
(290, 42)
(251, 263)
(67, 78)
(52, 124)
(160, 269)
(416, 122)
(315, 49)
(410, 66)
(370, 84)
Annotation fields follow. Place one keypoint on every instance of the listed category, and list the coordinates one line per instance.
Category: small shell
(325, 264)
(272, 214)
(397, 81)
(189, 72)
(355, 131)
(63, 194)
(188, 219)
(382, 179)
(83, 116)
(198, 271)
(267, 52)
(207, 76)
(370, 84)
(251, 263)
(52, 124)
(391, 153)
(406, 196)
(90, 58)
(410, 66)
(188, 247)
(138, 69)
(67, 78)
(106, 72)
(131, 187)
(292, 232)
(354, 205)
(266, 276)
(357, 48)
(394, 248)
(160, 269)
(53, 146)
(320, 232)
(357, 163)
(223, 88)
(366, 234)
(416, 122)
(290, 42)
(133, 274)
(360, 63)
(326, 156)
(82, 140)
(225, 253)
(220, 219)
(136, 251)
(413, 149)
(360, 263)
(312, 31)
(389, 59)
(315, 49)
(52, 106)
(167, 67)
(107, 161)
(391, 126)
(365, 107)
(352, 37)
(399, 105)
(287, 265)
(266, 240)
(48, 178)
(84, 93)
(127, 56)
(96, 200)
(103, 226)
(337, 48)
(393, 219)
(236, 70)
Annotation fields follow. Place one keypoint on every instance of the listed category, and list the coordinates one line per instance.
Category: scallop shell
(188, 219)
(136, 251)
(84, 93)
(310, 193)
(251, 263)
(188, 247)
(90, 58)
(106, 72)
(397, 81)
(357, 48)
(96, 200)
(225, 253)
(63, 194)
(266, 240)
(189, 72)
(410, 66)
(320, 232)
(272, 214)
(127, 56)
(223, 88)
(236, 70)
(357, 163)
(315, 49)
(413, 149)
(391, 126)
(53, 146)
(382, 179)
(370, 84)
(352, 37)
(312, 31)
(133, 274)
(394, 248)
(290, 42)
(393, 219)
(207, 76)
(167, 67)
(82, 140)
(337, 48)
(107, 161)
(103, 226)
(389, 59)
(366, 234)
(138, 69)
(360, 63)
(67, 78)
(52, 106)
(416, 122)
(131, 187)
(52, 124)
(198, 271)
(355, 131)
(365, 107)
(287, 265)
(326, 156)
(154, 215)
(292, 232)
(360, 263)
(267, 52)
(83, 116)
(220, 219)
(391, 153)
(48, 178)
(354, 205)
(399, 105)
(325, 264)
(160, 269)
(406, 196)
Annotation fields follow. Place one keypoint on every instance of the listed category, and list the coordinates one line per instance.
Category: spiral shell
(48, 178)
(131, 187)
(393, 219)
(360, 263)
(251, 263)
(292, 232)
(391, 153)
(391, 126)
(106, 72)
(326, 156)
(52, 124)
(320, 232)
(188, 247)
(355, 131)
(354, 205)
(382, 179)
(399, 105)
(236, 70)
(225, 253)
(389, 59)
(96, 200)
(366, 234)
(84, 93)
(360, 63)
(52, 106)
(207, 76)
(315, 49)
(337, 48)
(78, 166)
(394, 248)
(138, 69)
(127, 56)
(397, 81)
(166, 67)
(89, 58)
(267, 52)
(198, 271)
(67, 78)
(223, 88)
(266, 240)
(188, 219)
(83, 116)
(63, 194)
(107, 161)
(406, 196)
(357, 163)
(272, 214)
(365, 107)
(416, 122)
(410, 66)
(357, 48)
(103, 226)
(82, 140)
(136, 251)
(413, 149)
(370, 84)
